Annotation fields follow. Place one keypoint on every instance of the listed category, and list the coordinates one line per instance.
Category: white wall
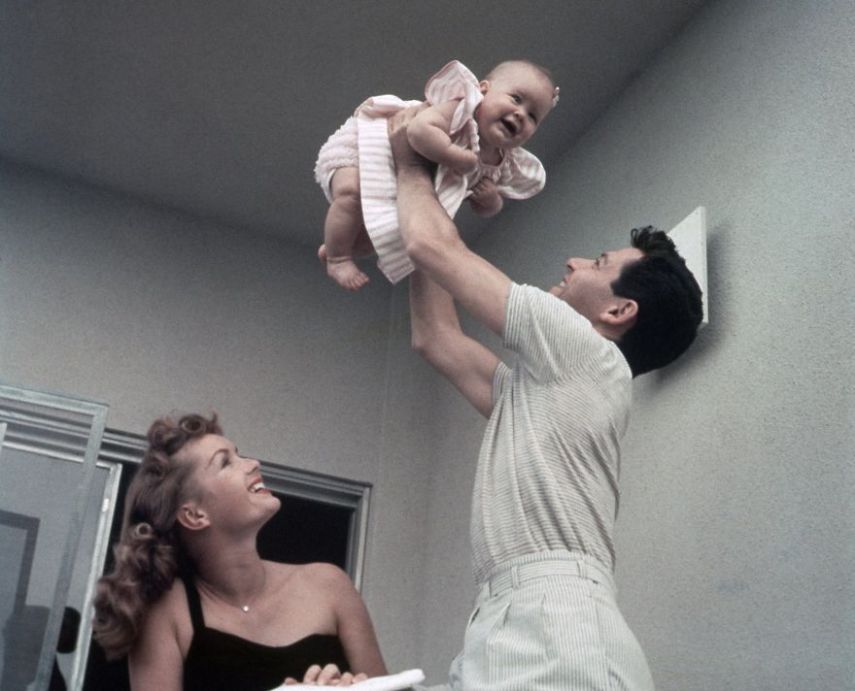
(736, 534)
(107, 298)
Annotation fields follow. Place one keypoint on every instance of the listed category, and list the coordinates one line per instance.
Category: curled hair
(149, 553)
(669, 303)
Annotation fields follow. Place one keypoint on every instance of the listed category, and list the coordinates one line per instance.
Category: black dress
(219, 661)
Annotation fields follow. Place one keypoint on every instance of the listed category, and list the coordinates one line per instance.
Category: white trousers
(549, 622)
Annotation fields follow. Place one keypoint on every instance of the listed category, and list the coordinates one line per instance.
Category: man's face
(586, 286)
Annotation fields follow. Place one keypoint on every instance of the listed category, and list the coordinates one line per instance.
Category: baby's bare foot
(344, 272)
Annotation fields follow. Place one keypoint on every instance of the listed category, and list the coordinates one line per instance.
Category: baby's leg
(341, 230)
(362, 248)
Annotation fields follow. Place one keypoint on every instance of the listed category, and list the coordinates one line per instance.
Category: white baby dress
(363, 142)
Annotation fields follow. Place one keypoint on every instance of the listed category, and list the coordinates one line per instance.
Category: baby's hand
(464, 161)
(485, 199)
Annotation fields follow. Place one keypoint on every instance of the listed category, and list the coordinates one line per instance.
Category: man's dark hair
(669, 303)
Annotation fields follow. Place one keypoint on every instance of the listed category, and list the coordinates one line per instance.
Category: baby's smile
(510, 126)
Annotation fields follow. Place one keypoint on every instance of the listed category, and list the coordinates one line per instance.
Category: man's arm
(437, 337)
(433, 241)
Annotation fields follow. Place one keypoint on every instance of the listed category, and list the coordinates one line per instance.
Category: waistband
(529, 567)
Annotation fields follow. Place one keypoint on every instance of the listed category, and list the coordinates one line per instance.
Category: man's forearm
(438, 338)
(426, 229)
(432, 311)
(433, 242)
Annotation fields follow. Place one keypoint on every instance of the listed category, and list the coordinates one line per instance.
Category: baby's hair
(522, 61)
(540, 69)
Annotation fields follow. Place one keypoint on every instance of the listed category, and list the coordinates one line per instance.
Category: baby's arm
(428, 134)
(485, 199)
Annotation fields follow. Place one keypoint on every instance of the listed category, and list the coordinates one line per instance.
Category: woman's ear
(192, 516)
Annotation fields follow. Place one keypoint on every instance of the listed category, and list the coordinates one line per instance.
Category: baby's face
(515, 102)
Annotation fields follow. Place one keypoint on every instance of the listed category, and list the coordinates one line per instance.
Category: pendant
(245, 608)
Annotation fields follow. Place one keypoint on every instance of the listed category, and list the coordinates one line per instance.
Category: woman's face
(227, 486)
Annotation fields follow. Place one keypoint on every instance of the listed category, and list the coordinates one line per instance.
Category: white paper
(391, 682)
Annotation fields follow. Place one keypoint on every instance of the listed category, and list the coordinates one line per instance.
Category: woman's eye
(516, 98)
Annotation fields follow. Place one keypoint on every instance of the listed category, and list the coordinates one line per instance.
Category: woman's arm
(428, 134)
(155, 663)
(355, 630)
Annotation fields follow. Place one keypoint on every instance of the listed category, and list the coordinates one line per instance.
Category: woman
(190, 600)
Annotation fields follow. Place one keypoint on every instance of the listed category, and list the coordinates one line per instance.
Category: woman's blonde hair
(149, 553)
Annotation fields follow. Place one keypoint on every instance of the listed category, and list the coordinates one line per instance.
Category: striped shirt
(547, 476)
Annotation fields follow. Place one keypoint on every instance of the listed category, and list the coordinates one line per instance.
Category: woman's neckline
(220, 632)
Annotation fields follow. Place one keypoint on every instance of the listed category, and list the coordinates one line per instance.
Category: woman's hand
(329, 675)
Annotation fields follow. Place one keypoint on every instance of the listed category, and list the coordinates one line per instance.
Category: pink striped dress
(363, 142)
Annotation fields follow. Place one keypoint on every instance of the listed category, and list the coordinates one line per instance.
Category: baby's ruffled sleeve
(455, 81)
(522, 175)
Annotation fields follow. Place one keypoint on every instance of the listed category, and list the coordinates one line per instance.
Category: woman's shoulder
(172, 598)
(315, 579)
(313, 571)
(173, 607)
(169, 616)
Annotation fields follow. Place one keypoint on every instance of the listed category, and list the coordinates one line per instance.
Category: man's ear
(621, 313)
(484, 85)
(192, 516)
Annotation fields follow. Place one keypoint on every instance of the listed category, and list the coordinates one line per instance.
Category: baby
(473, 130)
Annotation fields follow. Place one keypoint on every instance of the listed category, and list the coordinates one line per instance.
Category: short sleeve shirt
(547, 476)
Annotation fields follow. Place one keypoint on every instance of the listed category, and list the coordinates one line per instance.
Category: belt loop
(515, 576)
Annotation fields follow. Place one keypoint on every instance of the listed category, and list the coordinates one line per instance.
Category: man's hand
(404, 154)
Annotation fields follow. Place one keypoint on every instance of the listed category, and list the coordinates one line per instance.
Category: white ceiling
(218, 107)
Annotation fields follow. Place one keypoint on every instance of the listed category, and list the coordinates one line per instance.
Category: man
(546, 486)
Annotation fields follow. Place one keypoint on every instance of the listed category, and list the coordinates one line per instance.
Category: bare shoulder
(313, 576)
(437, 112)
(326, 575)
(447, 108)
(166, 630)
(172, 603)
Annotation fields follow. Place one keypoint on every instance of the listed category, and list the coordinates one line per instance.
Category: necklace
(247, 606)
